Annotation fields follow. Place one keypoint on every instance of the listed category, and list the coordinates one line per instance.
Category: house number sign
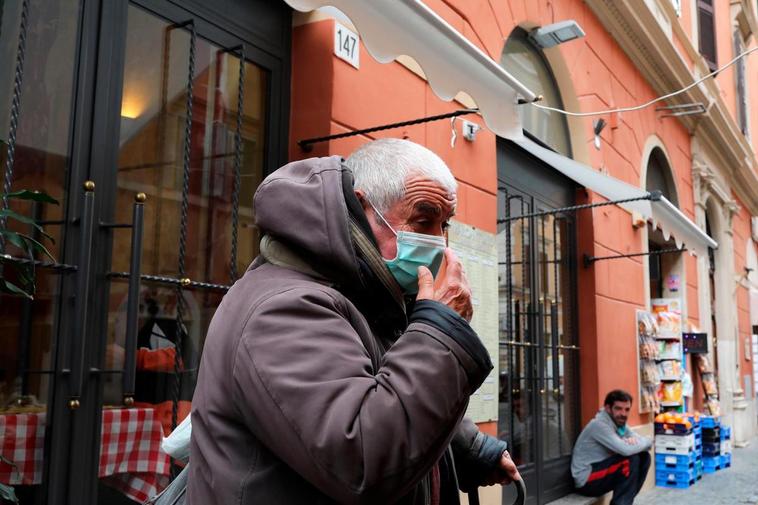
(346, 45)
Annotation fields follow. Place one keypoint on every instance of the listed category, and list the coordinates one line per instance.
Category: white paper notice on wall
(347, 45)
(477, 250)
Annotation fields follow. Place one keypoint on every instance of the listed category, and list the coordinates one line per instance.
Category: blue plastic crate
(667, 475)
(711, 464)
(726, 433)
(675, 461)
(712, 449)
(675, 484)
(726, 460)
(699, 469)
(709, 422)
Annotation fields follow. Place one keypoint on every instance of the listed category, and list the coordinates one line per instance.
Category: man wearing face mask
(339, 367)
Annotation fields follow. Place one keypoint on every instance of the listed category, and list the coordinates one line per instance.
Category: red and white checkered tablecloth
(23, 445)
(131, 459)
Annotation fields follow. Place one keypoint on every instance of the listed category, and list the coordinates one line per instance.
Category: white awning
(451, 62)
(660, 212)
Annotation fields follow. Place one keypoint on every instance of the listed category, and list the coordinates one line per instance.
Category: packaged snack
(671, 392)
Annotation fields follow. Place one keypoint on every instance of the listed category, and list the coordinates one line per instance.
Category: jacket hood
(605, 418)
(302, 205)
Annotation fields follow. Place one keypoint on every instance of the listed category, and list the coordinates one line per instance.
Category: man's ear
(361, 196)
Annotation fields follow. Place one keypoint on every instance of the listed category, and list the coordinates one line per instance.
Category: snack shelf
(668, 358)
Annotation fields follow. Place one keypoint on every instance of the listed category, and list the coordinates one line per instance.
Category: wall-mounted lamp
(557, 33)
(597, 127)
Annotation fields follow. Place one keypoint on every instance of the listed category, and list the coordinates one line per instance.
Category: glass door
(190, 152)
(151, 124)
(539, 356)
(39, 42)
(190, 156)
(538, 352)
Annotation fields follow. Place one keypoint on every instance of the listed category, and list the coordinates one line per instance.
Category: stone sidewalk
(737, 485)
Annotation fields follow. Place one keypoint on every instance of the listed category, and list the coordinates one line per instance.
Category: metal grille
(180, 308)
(15, 111)
(237, 165)
(537, 338)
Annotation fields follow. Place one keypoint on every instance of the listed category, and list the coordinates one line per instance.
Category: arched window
(527, 64)
(663, 269)
(659, 176)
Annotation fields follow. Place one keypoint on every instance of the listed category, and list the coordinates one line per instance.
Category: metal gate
(539, 356)
(152, 124)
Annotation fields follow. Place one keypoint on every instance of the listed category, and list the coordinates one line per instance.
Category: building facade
(141, 120)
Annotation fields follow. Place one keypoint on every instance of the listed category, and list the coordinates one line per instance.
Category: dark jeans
(624, 475)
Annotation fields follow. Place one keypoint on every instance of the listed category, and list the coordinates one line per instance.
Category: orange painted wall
(330, 96)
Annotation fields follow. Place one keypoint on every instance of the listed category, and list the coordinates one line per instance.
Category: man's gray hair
(381, 168)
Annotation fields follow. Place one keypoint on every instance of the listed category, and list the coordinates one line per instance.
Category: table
(131, 458)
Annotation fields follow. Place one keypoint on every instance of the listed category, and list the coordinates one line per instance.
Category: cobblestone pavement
(737, 485)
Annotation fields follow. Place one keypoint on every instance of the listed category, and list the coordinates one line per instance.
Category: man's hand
(631, 441)
(506, 472)
(450, 287)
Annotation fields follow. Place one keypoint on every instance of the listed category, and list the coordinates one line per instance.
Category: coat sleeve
(304, 385)
(476, 455)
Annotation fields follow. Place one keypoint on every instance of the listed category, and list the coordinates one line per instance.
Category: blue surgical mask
(413, 250)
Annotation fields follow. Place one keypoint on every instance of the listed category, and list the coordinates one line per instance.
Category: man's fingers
(454, 266)
(425, 284)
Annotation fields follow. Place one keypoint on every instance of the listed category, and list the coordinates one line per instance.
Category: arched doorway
(539, 357)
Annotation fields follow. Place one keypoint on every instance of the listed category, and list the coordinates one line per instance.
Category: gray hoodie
(600, 440)
(316, 386)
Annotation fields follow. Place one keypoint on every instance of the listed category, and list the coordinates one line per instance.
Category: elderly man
(338, 369)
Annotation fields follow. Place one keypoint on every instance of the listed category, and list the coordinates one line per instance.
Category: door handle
(132, 304)
(82, 295)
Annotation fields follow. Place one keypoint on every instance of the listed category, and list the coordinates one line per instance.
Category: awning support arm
(653, 196)
(307, 144)
(589, 260)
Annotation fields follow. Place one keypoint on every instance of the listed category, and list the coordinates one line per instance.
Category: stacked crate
(697, 430)
(676, 460)
(712, 445)
(726, 446)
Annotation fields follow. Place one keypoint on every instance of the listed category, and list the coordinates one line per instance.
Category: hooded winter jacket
(315, 384)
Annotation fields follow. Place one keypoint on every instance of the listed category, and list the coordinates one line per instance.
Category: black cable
(307, 144)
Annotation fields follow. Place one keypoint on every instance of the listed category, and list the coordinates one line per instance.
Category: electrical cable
(651, 102)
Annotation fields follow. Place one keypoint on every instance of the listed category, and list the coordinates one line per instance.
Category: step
(577, 499)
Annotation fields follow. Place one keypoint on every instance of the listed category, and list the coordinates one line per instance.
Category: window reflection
(151, 160)
(28, 328)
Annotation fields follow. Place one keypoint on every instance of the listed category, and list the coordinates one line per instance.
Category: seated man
(609, 456)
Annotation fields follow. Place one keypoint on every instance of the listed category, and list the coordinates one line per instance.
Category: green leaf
(38, 247)
(7, 213)
(8, 462)
(11, 288)
(7, 493)
(26, 278)
(16, 239)
(25, 243)
(37, 196)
